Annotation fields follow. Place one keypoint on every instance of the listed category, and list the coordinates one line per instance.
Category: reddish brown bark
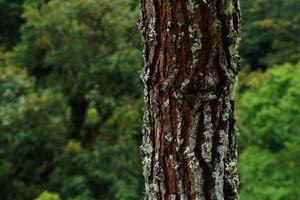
(191, 64)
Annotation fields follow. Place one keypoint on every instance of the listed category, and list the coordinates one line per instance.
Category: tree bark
(191, 66)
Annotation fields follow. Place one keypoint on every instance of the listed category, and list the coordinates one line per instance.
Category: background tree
(56, 56)
(270, 33)
(191, 64)
(11, 20)
(270, 143)
(70, 101)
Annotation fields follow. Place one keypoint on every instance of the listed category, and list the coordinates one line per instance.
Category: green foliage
(270, 32)
(270, 176)
(11, 20)
(107, 170)
(269, 111)
(32, 127)
(48, 196)
(70, 100)
(270, 142)
(70, 103)
(82, 45)
(87, 48)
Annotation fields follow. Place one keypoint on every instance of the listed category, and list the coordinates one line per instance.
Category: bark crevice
(191, 64)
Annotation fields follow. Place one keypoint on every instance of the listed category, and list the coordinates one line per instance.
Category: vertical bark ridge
(191, 65)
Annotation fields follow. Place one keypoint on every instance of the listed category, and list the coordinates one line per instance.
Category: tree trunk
(191, 67)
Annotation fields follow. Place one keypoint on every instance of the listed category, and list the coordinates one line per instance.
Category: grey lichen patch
(219, 169)
(181, 35)
(178, 95)
(230, 91)
(151, 32)
(175, 163)
(184, 85)
(227, 111)
(169, 82)
(223, 137)
(231, 175)
(197, 180)
(216, 25)
(169, 26)
(156, 186)
(169, 137)
(228, 8)
(146, 167)
(168, 131)
(223, 65)
(196, 46)
(192, 6)
(209, 80)
(167, 103)
(234, 88)
(234, 38)
(179, 175)
(196, 37)
(209, 96)
(145, 75)
(146, 150)
(139, 23)
(179, 24)
(206, 147)
(183, 196)
(193, 162)
(231, 166)
(179, 140)
(190, 155)
(198, 105)
(195, 33)
(153, 191)
(218, 176)
(233, 49)
(225, 116)
(172, 197)
(219, 108)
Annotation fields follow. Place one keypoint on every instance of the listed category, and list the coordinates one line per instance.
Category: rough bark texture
(190, 73)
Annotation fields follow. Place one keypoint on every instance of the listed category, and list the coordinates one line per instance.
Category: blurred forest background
(71, 100)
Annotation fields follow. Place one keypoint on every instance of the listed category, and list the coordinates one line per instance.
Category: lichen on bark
(190, 74)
